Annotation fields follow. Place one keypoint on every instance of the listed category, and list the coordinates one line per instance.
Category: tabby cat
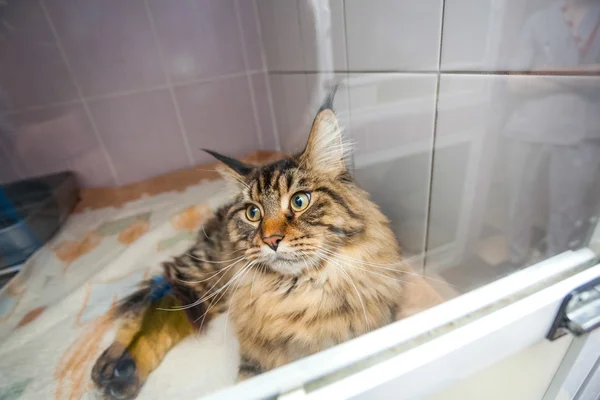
(313, 262)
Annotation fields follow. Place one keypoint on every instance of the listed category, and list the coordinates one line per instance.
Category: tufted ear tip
(234, 165)
(328, 102)
(325, 150)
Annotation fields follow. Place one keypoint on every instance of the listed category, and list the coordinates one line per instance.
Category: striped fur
(323, 285)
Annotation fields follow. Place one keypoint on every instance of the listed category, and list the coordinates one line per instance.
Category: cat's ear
(324, 152)
(233, 170)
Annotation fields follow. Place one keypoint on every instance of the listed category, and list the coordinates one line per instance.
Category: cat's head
(291, 214)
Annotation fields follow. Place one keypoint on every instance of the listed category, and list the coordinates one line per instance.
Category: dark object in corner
(31, 211)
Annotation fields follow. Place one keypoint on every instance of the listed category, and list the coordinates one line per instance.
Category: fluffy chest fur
(282, 318)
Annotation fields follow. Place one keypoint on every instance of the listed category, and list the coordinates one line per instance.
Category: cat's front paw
(115, 373)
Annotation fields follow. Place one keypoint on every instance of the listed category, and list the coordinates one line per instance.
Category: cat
(311, 260)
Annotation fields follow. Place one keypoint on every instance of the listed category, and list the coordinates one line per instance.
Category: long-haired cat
(313, 262)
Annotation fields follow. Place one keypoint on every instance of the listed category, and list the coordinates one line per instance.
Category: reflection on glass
(565, 151)
(562, 35)
(517, 156)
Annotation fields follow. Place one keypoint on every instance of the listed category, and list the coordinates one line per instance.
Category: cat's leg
(258, 356)
(148, 332)
(141, 343)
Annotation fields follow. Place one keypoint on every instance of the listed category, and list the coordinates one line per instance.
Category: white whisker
(207, 296)
(331, 258)
(252, 288)
(385, 267)
(213, 262)
(205, 235)
(231, 300)
(216, 300)
(215, 274)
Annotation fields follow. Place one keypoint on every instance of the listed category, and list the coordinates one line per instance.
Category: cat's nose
(273, 241)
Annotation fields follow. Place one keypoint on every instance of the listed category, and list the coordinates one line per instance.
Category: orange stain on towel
(191, 218)
(133, 231)
(73, 371)
(70, 250)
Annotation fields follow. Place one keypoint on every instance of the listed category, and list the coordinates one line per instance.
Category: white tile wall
(520, 35)
(466, 150)
(218, 116)
(386, 35)
(296, 99)
(124, 86)
(291, 103)
(56, 138)
(388, 53)
(123, 120)
(264, 111)
(106, 44)
(391, 111)
(476, 47)
(392, 119)
(338, 35)
(27, 51)
(214, 28)
(281, 34)
(250, 33)
(328, 53)
(364, 36)
(104, 71)
(289, 34)
(388, 117)
(320, 85)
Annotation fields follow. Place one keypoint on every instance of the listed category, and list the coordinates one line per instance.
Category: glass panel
(475, 126)
(523, 181)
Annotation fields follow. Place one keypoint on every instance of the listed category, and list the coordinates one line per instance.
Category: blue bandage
(160, 288)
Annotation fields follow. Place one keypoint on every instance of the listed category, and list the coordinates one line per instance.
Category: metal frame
(578, 377)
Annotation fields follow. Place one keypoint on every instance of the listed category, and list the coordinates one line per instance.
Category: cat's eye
(300, 201)
(253, 213)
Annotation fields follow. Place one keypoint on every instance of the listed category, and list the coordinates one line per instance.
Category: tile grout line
(346, 47)
(75, 82)
(433, 141)
(347, 74)
(133, 91)
(129, 92)
(349, 71)
(170, 87)
(300, 32)
(262, 71)
(311, 106)
(524, 73)
(267, 77)
(46, 106)
(257, 125)
(257, 72)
